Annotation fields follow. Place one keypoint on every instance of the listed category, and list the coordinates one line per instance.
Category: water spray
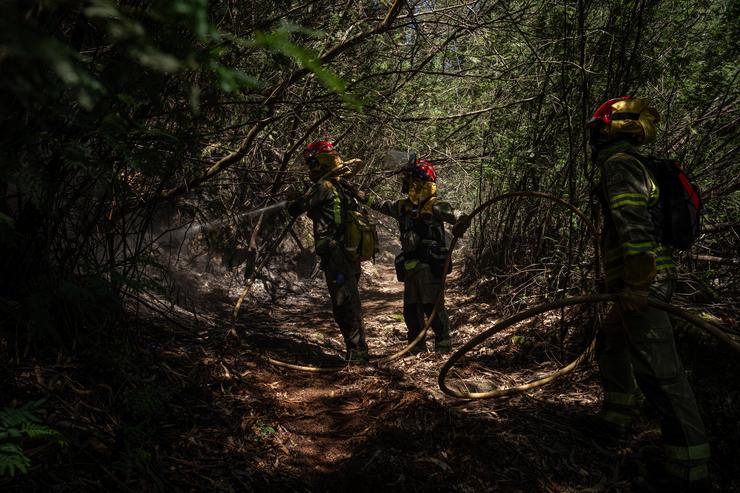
(192, 228)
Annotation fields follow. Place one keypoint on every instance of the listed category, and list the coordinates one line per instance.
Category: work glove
(461, 226)
(353, 166)
(639, 273)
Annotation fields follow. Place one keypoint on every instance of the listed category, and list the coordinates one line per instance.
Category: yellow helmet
(633, 117)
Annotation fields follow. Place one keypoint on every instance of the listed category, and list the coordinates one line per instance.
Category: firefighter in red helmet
(421, 217)
(327, 207)
(636, 350)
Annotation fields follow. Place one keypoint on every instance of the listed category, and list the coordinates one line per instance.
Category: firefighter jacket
(326, 205)
(632, 226)
(422, 235)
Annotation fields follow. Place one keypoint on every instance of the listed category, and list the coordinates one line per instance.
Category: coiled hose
(710, 327)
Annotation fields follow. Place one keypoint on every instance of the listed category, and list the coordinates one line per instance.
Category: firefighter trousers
(637, 349)
(342, 278)
(421, 290)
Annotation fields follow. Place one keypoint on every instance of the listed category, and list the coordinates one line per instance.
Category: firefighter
(636, 350)
(421, 217)
(326, 205)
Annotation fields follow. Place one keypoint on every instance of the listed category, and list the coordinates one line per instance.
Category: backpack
(360, 236)
(359, 233)
(679, 201)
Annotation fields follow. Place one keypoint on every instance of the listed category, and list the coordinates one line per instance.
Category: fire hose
(710, 327)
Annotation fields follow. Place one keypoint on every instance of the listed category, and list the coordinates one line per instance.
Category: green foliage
(12, 460)
(523, 342)
(279, 41)
(264, 430)
(17, 424)
(109, 106)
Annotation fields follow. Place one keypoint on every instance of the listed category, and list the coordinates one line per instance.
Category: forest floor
(191, 408)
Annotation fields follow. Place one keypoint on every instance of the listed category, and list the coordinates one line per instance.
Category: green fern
(17, 417)
(12, 460)
(39, 431)
(15, 425)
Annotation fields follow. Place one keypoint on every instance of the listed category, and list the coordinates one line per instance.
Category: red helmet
(424, 171)
(318, 147)
(604, 112)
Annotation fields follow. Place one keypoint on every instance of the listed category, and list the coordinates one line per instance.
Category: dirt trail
(369, 429)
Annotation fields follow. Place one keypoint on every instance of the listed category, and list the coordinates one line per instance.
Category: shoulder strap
(649, 164)
(338, 206)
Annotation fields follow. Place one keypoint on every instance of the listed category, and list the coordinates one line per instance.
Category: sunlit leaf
(157, 60)
(279, 41)
(6, 220)
(101, 9)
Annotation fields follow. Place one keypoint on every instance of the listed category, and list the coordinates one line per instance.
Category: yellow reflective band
(410, 264)
(692, 473)
(619, 398)
(629, 198)
(692, 452)
(620, 196)
(636, 251)
(641, 203)
(634, 248)
(654, 192)
(638, 245)
(337, 206)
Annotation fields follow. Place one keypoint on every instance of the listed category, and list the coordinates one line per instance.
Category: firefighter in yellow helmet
(421, 217)
(636, 350)
(327, 207)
